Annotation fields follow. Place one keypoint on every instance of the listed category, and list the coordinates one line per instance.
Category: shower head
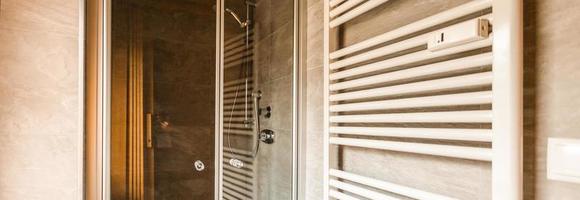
(243, 24)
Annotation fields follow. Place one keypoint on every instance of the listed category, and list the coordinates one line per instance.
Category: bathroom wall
(41, 151)
(273, 61)
(550, 76)
(314, 99)
(552, 95)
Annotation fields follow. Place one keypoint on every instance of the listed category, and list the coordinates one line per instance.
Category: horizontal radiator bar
(237, 176)
(245, 185)
(473, 98)
(409, 59)
(344, 7)
(457, 82)
(238, 191)
(339, 195)
(368, 5)
(390, 187)
(458, 134)
(238, 151)
(479, 116)
(472, 153)
(335, 2)
(451, 14)
(430, 69)
(360, 191)
(239, 171)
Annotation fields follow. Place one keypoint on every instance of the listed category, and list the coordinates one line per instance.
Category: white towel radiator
(361, 86)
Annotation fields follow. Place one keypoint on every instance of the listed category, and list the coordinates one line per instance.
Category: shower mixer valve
(267, 136)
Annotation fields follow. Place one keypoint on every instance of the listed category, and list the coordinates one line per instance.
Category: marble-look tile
(275, 160)
(314, 34)
(314, 2)
(45, 17)
(282, 13)
(314, 134)
(314, 163)
(263, 19)
(39, 100)
(275, 167)
(314, 99)
(274, 39)
(281, 52)
(272, 15)
(457, 178)
(262, 59)
(281, 92)
(552, 78)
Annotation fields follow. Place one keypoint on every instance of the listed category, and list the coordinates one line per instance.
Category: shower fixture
(266, 136)
(199, 165)
(243, 23)
(267, 111)
(251, 115)
(237, 163)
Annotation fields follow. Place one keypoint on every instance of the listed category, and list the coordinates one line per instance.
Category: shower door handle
(149, 131)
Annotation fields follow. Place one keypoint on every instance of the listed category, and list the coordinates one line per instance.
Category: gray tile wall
(274, 60)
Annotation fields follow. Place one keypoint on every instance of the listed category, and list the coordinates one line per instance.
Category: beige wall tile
(39, 111)
(314, 31)
(551, 80)
(56, 17)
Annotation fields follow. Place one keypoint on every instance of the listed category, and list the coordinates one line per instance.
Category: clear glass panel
(163, 99)
(258, 63)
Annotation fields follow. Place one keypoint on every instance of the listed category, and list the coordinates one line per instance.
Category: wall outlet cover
(563, 159)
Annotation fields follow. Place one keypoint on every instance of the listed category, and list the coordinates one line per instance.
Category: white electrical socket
(459, 34)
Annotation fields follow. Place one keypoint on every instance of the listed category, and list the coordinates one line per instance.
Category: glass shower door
(258, 99)
(163, 109)
(164, 103)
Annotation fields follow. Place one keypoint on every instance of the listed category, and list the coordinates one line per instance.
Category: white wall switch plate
(564, 159)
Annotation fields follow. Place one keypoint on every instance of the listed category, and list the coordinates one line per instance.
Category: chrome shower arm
(243, 24)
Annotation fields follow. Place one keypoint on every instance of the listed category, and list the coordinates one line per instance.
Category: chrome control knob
(198, 165)
(267, 136)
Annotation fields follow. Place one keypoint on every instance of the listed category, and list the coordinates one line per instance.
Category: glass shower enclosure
(203, 100)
